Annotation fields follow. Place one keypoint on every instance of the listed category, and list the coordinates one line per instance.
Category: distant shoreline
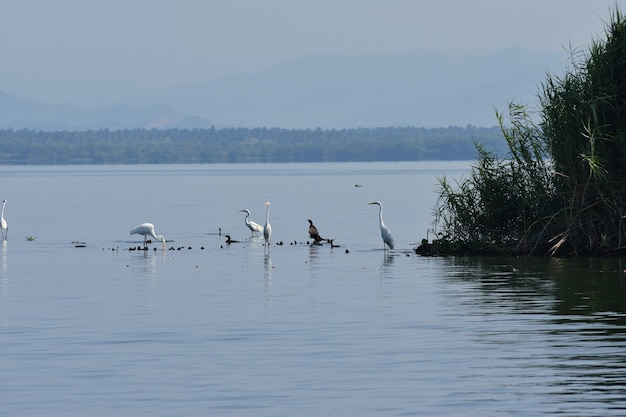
(245, 145)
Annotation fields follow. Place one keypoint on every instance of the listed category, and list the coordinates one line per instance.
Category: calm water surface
(211, 329)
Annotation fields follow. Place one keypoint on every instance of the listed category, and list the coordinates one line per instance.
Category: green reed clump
(499, 207)
(562, 186)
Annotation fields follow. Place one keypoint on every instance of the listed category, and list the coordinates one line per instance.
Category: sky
(67, 50)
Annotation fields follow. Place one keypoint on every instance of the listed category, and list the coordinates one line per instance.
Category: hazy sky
(47, 43)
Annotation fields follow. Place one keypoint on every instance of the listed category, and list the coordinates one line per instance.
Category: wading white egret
(254, 227)
(4, 229)
(147, 229)
(384, 230)
(313, 233)
(267, 229)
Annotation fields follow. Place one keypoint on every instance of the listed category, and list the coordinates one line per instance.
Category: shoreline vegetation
(244, 145)
(560, 190)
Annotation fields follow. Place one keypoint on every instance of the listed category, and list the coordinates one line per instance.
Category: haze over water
(216, 329)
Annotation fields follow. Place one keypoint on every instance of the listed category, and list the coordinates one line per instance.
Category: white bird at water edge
(384, 230)
(4, 228)
(254, 227)
(267, 229)
(147, 229)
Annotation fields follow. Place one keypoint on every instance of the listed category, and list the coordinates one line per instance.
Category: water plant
(561, 188)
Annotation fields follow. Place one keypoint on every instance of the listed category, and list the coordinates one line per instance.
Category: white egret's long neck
(380, 215)
(162, 239)
(4, 203)
(267, 214)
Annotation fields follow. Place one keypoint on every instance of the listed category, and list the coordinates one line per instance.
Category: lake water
(294, 330)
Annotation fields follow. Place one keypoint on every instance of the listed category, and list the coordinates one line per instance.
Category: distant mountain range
(421, 88)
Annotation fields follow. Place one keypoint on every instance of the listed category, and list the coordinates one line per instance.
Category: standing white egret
(267, 229)
(4, 229)
(384, 230)
(147, 229)
(254, 227)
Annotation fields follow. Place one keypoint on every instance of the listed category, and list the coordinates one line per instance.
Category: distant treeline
(244, 145)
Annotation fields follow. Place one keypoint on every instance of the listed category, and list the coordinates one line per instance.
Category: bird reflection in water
(268, 270)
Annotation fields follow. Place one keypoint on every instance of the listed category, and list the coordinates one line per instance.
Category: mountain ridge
(421, 88)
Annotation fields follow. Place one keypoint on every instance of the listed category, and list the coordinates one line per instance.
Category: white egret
(313, 233)
(254, 227)
(4, 229)
(267, 229)
(384, 230)
(147, 229)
